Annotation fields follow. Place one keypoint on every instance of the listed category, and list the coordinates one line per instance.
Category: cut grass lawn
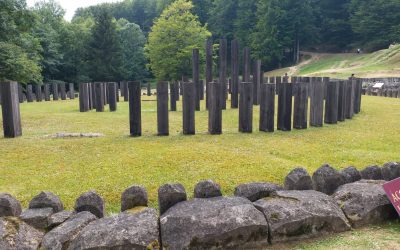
(69, 167)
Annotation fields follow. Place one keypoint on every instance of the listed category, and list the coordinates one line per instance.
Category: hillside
(383, 63)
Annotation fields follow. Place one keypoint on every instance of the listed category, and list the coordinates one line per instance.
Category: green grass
(69, 167)
(383, 63)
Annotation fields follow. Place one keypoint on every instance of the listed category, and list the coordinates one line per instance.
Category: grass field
(383, 63)
(69, 167)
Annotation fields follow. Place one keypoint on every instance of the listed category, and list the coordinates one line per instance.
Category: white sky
(71, 5)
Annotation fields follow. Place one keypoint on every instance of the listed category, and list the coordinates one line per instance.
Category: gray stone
(60, 237)
(169, 195)
(58, 218)
(365, 202)
(37, 217)
(372, 173)
(207, 189)
(326, 179)
(256, 190)
(294, 215)
(126, 230)
(47, 199)
(220, 222)
(350, 174)
(134, 196)
(391, 171)
(91, 202)
(16, 234)
(9, 206)
(298, 179)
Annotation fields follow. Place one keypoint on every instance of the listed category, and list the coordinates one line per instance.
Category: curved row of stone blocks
(258, 215)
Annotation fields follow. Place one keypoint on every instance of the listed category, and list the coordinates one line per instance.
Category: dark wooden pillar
(99, 89)
(173, 94)
(46, 89)
(29, 93)
(357, 104)
(223, 70)
(162, 109)
(55, 92)
(256, 82)
(10, 109)
(20, 93)
(112, 96)
(84, 97)
(342, 101)
(201, 87)
(317, 103)
(246, 108)
(122, 88)
(188, 108)
(63, 92)
(350, 85)
(284, 105)
(105, 93)
(135, 113)
(38, 93)
(148, 86)
(92, 96)
(209, 66)
(300, 112)
(126, 91)
(267, 107)
(196, 76)
(215, 109)
(331, 104)
(235, 74)
(71, 91)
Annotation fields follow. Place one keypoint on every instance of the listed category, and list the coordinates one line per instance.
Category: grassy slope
(110, 164)
(383, 63)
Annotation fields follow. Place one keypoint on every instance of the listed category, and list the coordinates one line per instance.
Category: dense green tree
(19, 50)
(105, 51)
(222, 16)
(245, 21)
(171, 40)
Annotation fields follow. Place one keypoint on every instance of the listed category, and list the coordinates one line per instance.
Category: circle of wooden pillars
(135, 116)
(112, 96)
(267, 107)
(188, 108)
(246, 108)
(215, 109)
(162, 109)
(10, 109)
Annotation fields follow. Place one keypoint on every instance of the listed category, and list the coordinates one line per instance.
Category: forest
(152, 39)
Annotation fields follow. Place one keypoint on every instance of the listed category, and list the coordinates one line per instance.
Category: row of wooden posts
(389, 92)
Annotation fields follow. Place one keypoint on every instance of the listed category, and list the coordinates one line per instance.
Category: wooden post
(92, 96)
(256, 82)
(300, 112)
(84, 97)
(148, 89)
(357, 104)
(99, 89)
(112, 95)
(246, 108)
(201, 89)
(122, 88)
(55, 91)
(173, 95)
(350, 85)
(209, 66)
(267, 107)
(47, 92)
(196, 76)
(10, 109)
(63, 92)
(105, 93)
(188, 108)
(162, 109)
(331, 104)
(29, 93)
(135, 116)
(246, 63)
(235, 74)
(215, 109)
(342, 101)
(126, 91)
(38, 92)
(223, 70)
(284, 105)
(71, 91)
(317, 103)
(20, 93)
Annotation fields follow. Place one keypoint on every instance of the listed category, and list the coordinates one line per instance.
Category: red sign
(392, 190)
